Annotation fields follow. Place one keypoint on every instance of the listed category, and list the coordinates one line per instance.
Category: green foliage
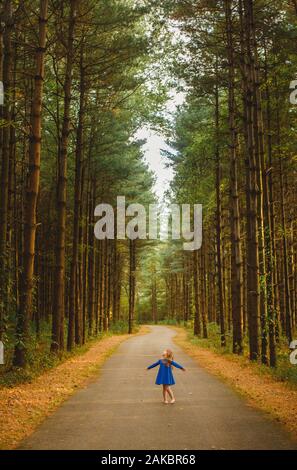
(168, 321)
(121, 328)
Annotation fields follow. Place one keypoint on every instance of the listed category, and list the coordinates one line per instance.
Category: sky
(152, 150)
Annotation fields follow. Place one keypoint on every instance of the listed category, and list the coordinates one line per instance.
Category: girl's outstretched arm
(154, 365)
(175, 364)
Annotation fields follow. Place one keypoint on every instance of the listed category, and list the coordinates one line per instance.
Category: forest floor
(24, 406)
(262, 390)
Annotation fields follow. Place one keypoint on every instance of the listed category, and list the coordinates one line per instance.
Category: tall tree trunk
(218, 222)
(252, 259)
(91, 260)
(268, 232)
(25, 309)
(5, 151)
(154, 298)
(59, 287)
(197, 317)
(288, 310)
(132, 268)
(203, 294)
(74, 278)
(236, 251)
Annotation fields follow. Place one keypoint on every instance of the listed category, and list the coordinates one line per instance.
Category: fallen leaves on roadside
(25, 406)
(262, 391)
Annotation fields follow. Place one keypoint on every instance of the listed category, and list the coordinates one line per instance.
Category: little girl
(165, 375)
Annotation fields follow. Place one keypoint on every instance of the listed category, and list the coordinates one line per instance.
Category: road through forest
(123, 409)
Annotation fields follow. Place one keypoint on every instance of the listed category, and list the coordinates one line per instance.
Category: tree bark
(27, 277)
(236, 251)
(252, 258)
(59, 287)
(5, 150)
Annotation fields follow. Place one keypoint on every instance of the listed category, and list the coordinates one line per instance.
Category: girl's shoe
(172, 401)
(165, 402)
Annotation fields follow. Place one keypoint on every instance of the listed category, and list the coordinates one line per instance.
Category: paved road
(122, 408)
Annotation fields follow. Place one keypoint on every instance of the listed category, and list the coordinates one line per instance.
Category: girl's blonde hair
(169, 356)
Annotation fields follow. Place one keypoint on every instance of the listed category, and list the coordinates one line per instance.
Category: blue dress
(165, 375)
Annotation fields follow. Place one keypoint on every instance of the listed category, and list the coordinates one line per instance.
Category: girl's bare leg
(164, 394)
(170, 393)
